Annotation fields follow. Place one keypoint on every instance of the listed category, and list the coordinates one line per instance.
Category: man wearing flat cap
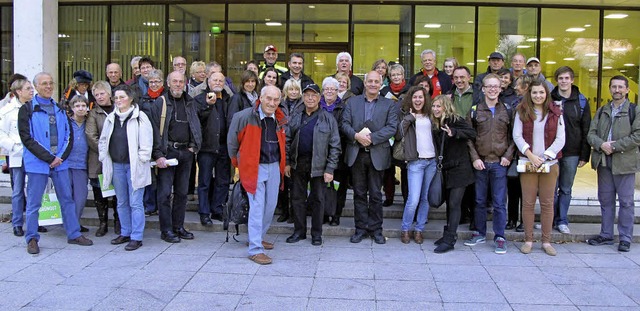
(270, 59)
(496, 62)
(313, 148)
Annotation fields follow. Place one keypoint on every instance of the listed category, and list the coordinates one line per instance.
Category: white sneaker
(537, 226)
(564, 229)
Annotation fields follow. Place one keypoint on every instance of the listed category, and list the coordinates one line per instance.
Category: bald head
(114, 73)
(372, 84)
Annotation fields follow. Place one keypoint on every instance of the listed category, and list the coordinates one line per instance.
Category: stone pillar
(637, 180)
(35, 37)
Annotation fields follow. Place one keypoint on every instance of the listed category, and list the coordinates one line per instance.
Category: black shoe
(206, 221)
(464, 220)
(133, 245)
(150, 213)
(624, 246)
(316, 240)
(438, 241)
(358, 236)
(84, 229)
(379, 238)
(520, 228)
(335, 221)
(597, 241)
(510, 225)
(17, 231)
(217, 217)
(326, 219)
(295, 238)
(387, 202)
(170, 237)
(443, 248)
(120, 240)
(282, 218)
(183, 234)
(42, 229)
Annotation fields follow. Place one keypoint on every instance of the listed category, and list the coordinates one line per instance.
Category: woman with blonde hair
(452, 132)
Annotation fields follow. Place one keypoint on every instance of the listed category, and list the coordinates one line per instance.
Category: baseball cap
(496, 55)
(533, 59)
(270, 47)
(313, 87)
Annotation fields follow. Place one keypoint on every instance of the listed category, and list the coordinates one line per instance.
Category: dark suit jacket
(382, 125)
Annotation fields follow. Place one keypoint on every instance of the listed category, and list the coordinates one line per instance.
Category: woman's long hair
(525, 108)
(448, 113)
(407, 102)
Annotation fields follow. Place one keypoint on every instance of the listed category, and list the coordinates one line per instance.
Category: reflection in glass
(196, 32)
(621, 51)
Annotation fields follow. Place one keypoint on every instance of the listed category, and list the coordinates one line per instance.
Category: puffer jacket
(326, 141)
(9, 137)
(140, 142)
(626, 157)
(494, 138)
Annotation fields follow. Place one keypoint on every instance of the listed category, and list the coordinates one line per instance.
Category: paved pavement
(209, 274)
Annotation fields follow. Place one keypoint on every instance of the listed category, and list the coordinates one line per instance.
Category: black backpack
(236, 210)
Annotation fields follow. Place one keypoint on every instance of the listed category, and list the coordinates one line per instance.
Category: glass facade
(596, 43)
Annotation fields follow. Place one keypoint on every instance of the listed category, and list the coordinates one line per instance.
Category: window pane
(449, 31)
(507, 30)
(621, 51)
(318, 23)
(251, 30)
(571, 39)
(82, 42)
(136, 30)
(381, 32)
(6, 39)
(196, 32)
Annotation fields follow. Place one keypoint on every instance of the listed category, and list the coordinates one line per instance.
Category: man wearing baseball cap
(313, 145)
(496, 62)
(270, 59)
(535, 70)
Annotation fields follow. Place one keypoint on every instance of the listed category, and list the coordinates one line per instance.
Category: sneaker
(597, 241)
(501, 246)
(564, 229)
(81, 240)
(476, 238)
(624, 246)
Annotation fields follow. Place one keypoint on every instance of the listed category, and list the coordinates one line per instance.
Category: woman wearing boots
(456, 164)
(95, 120)
(125, 152)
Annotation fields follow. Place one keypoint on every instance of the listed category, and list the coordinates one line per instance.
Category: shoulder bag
(436, 187)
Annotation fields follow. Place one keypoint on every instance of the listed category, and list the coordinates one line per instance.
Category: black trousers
(367, 196)
(344, 177)
(300, 177)
(454, 211)
(514, 194)
(176, 177)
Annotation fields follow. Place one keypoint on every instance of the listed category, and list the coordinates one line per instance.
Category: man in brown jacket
(491, 154)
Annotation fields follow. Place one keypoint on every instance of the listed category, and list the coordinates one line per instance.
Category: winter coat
(9, 137)
(456, 164)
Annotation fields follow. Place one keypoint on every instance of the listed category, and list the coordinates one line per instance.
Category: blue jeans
(213, 192)
(130, 206)
(17, 196)
(495, 175)
(419, 175)
(262, 204)
(79, 190)
(35, 189)
(568, 167)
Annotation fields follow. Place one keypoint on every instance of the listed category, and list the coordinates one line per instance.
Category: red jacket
(244, 140)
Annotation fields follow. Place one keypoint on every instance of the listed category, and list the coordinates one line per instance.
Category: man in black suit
(368, 122)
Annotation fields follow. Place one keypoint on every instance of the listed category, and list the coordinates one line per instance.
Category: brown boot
(116, 219)
(418, 237)
(404, 237)
(103, 215)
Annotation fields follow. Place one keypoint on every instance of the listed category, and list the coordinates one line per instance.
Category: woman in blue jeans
(419, 152)
(127, 164)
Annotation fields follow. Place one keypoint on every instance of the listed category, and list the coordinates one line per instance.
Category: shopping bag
(50, 212)
(108, 192)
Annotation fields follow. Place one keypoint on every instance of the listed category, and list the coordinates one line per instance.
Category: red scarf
(156, 94)
(397, 88)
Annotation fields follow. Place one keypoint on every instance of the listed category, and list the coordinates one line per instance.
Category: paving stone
(620, 276)
(598, 294)
(159, 280)
(344, 270)
(203, 301)
(136, 299)
(406, 291)
(72, 297)
(447, 273)
(606, 261)
(362, 255)
(44, 273)
(279, 286)
(516, 274)
(470, 292)
(527, 307)
(323, 304)
(18, 294)
(101, 276)
(343, 289)
(267, 303)
(287, 267)
(230, 265)
(218, 283)
(530, 293)
(572, 275)
(178, 262)
(402, 272)
(413, 255)
(454, 306)
(563, 259)
(454, 257)
(384, 305)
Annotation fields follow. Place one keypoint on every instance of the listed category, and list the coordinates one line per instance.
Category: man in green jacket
(616, 158)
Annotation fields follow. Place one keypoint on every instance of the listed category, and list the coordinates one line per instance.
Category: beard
(217, 89)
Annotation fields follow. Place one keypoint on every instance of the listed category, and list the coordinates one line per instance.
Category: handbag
(512, 171)
(436, 187)
(398, 150)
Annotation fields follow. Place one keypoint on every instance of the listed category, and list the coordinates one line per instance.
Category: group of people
(298, 146)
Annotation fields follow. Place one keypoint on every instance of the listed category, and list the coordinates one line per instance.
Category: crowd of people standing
(504, 140)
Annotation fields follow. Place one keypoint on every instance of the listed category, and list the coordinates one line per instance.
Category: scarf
(253, 96)
(155, 94)
(122, 116)
(329, 108)
(397, 88)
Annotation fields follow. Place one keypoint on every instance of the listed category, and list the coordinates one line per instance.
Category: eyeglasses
(330, 89)
(155, 82)
(491, 87)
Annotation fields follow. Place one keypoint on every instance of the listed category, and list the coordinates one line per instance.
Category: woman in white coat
(127, 164)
